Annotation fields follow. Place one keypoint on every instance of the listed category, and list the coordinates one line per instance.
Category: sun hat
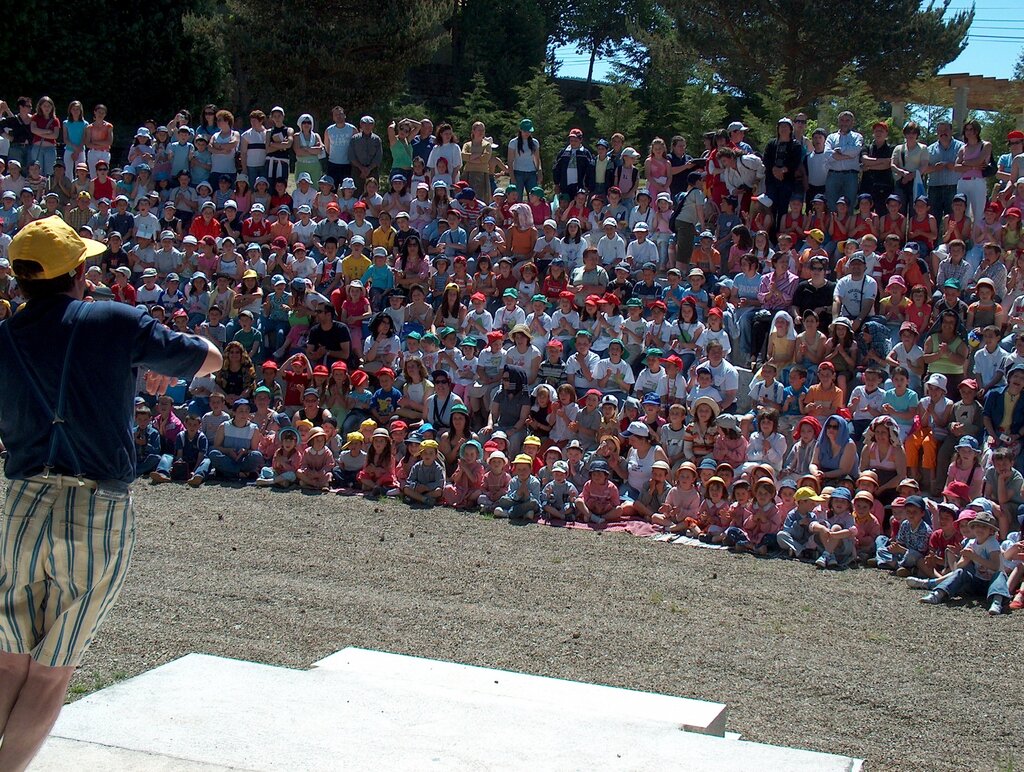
(55, 245)
(807, 494)
(715, 407)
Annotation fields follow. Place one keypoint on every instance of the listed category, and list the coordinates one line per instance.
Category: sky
(993, 44)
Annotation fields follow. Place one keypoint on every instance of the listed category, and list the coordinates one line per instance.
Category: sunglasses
(800, 120)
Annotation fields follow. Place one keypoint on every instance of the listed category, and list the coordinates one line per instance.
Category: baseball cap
(55, 245)
(807, 494)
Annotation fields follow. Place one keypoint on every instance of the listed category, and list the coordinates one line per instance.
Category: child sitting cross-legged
(559, 495)
(835, 530)
(795, 539)
(523, 499)
(682, 502)
(317, 462)
(285, 463)
(599, 500)
(377, 476)
(653, 496)
(425, 484)
(906, 552)
(466, 483)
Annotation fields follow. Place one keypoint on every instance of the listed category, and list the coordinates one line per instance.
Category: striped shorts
(64, 555)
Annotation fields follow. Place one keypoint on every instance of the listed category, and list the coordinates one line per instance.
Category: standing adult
(782, 157)
(742, 173)
(99, 136)
(18, 128)
(424, 140)
(74, 138)
(401, 148)
(68, 530)
(574, 166)
(909, 164)
(815, 294)
(479, 162)
(279, 147)
(876, 163)
(941, 170)
(448, 149)
(843, 150)
(682, 164)
(971, 161)
(524, 157)
(366, 152)
(738, 137)
(253, 147)
(337, 139)
(815, 167)
(224, 145)
(308, 147)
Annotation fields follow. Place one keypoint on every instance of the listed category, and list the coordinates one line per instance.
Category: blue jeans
(252, 172)
(46, 155)
(885, 556)
(963, 582)
(225, 466)
(525, 181)
(167, 461)
(841, 184)
(21, 154)
(940, 202)
(275, 331)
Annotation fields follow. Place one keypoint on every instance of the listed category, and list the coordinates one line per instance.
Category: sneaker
(903, 572)
(499, 512)
(596, 520)
(917, 583)
(934, 598)
(195, 480)
(997, 606)
(159, 477)
(264, 482)
(1018, 602)
(885, 566)
(821, 562)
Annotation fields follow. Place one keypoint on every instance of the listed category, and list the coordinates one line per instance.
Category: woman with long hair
(448, 149)
(971, 161)
(45, 132)
(74, 138)
(479, 162)
(524, 157)
(237, 375)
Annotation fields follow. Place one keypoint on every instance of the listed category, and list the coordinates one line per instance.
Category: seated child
(317, 462)
(285, 463)
(351, 460)
(835, 530)
(496, 481)
(599, 500)
(523, 498)
(559, 495)
(796, 538)
(426, 481)
(906, 552)
(466, 483)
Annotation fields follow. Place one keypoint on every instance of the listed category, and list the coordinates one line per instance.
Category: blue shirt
(937, 155)
(341, 138)
(115, 340)
(385, 402)
(191, 450)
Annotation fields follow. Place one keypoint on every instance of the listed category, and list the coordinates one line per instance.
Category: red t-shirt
(200, 228)
(252, 229)
(125, 294)
(297, 382)
(938, 541)
(46, 125)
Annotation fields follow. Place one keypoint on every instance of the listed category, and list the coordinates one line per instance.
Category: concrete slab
(207, 713)
(559, 695)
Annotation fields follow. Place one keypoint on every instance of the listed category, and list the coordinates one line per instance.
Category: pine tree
(617, 110)
(477, 105)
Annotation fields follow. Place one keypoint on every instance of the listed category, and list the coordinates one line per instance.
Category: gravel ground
(846, 662)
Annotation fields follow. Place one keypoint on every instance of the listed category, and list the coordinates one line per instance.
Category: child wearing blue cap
(907, 551)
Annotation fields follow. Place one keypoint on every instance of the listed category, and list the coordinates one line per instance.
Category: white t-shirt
(255, 156)
(648, 381)
(572, 370)
(907, 359)
(620, 372)
(523, 162)
(873, 400)
(852, 293)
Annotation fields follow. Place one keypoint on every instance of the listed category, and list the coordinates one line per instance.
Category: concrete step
(208, 713)
(555, 694)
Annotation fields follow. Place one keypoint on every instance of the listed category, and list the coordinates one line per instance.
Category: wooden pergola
(970, 92)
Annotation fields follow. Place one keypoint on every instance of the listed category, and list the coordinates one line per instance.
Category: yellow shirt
(383, 238)
(353, 268)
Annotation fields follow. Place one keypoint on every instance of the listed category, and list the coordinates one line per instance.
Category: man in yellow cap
(67, 387)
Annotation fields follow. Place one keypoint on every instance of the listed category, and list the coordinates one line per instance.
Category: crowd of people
(453, 332)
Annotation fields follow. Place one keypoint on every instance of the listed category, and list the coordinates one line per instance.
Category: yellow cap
(369, 423)
(428, 445)
(250, 274)
(532, 440)
(53, 244)
(522, 458)
(351, 438)
(807, 493)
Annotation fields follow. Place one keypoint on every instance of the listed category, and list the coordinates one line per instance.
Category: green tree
(1018, 66)
(98, 52)
(348, 54)
(775, 101)
(848, 92)
(478, 46)
(617, 110)
(477, 105)
(600, 27)
(540, 100)
(698, 108)
(889, 42)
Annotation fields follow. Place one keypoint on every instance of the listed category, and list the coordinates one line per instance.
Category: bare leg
(13, 672)
(33, 715)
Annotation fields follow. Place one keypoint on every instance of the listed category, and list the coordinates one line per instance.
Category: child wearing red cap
(384, 402)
